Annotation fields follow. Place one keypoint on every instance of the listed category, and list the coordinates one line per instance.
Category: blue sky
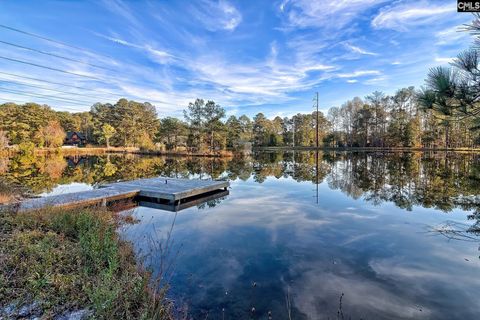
(248, 56)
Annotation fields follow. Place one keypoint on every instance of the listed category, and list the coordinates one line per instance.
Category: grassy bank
(216, 154)
(56, 262)
(103, 150)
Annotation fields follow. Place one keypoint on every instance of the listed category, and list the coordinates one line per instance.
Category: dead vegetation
(63, 261)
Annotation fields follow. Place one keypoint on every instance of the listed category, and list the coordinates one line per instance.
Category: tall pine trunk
(211, 140)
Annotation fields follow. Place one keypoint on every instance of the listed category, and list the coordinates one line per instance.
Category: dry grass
(9, 193)
(132, 150)
(70, 260)
(215, 154)
(6, 198)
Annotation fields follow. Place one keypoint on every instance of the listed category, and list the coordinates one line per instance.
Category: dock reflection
(211, 198)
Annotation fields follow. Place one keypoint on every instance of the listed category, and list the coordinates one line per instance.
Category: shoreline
(116, 150)
(369, 149)
(91, 151)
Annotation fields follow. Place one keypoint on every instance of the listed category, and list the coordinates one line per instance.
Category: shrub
(26, 148)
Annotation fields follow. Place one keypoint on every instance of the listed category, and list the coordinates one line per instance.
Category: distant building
(75, 139)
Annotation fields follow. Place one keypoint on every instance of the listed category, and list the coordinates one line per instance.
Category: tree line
(378, 120)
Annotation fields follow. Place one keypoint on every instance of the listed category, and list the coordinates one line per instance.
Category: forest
(445, 113)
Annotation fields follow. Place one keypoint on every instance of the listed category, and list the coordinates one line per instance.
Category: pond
(302, 235)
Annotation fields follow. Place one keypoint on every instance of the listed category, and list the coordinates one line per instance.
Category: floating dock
(161, 190)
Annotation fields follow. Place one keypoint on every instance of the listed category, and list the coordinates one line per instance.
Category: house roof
(71, 133)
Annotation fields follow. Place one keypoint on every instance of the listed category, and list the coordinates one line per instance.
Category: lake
(302, 235)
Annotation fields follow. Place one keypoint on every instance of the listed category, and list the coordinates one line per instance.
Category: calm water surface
(360, 236)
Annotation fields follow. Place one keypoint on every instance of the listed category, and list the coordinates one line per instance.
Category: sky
(248, 56)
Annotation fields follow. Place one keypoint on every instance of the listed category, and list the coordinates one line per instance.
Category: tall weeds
(70, 260)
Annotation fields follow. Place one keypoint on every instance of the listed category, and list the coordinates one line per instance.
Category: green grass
(70, 260)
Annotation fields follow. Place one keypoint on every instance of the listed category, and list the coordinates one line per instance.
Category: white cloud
(376, 81)
(232, 16)
(352, 81)
(359, 73)
(329, 13)
(283, 4)
(217, 15)
(122, 9)
(116, 40)
(450, 36)
(359, 50)
(159, 56)
(165, 101)
(316, 67)
(262, 81)
(444, 60)
(401, 17)
(364, 294)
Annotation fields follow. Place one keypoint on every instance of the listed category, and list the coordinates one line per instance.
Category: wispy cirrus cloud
(451, 35)
(268, 82)
(404, 15)
(157, 55)
(359, 50)
(329, 13)
(217, 15)
(122, 10)
(359, 73)
(377, 81)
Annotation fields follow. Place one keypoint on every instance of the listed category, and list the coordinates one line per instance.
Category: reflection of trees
(210, 203)
(441, 181)
(239, 168)
(31, 172)
(458, 231)
(301, 166)
(42, 173)
(433, 181)
(54, 166)
(109, 169)
(453, 230)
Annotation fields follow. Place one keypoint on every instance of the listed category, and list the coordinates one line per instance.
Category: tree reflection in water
(443, 181)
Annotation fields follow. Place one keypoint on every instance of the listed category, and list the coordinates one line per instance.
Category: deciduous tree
(52, 135)
(108, 132)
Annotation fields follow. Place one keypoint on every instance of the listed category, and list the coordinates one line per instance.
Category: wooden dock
(167, 191)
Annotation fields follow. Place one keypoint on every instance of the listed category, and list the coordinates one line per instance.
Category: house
(75, 138)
